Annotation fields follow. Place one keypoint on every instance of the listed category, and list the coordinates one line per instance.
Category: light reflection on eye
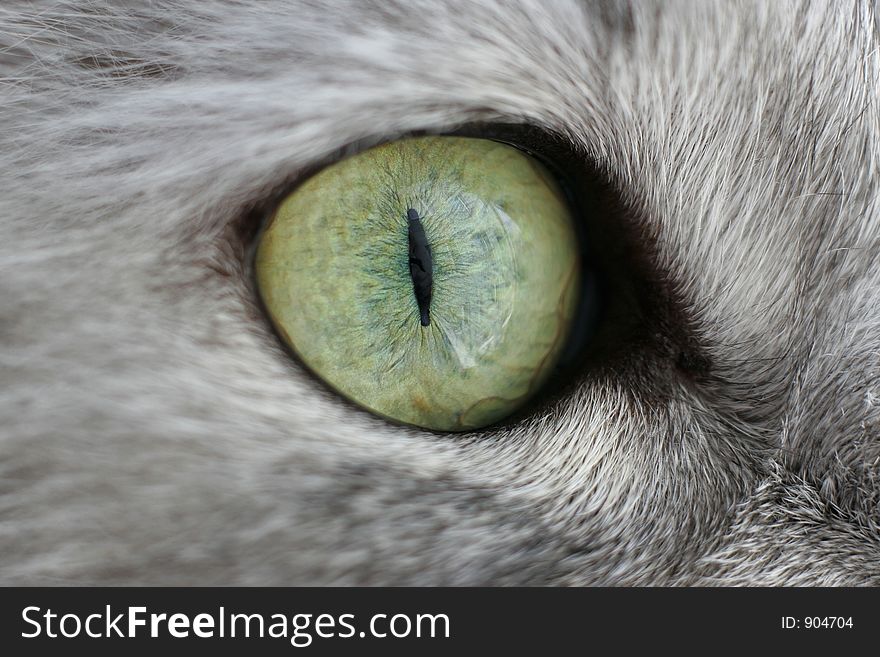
(431, 280)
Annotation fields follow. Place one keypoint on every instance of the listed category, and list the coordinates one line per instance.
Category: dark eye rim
(609, 271)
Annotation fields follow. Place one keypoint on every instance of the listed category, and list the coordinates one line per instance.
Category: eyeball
(430, 280)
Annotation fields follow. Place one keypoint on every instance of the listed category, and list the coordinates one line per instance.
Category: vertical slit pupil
(421, 265)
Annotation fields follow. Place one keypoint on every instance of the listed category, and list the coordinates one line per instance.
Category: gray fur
(153, 431)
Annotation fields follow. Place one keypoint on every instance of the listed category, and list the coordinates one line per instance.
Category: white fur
(153, 431)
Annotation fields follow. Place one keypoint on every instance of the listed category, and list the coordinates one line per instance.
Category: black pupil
(421, 265)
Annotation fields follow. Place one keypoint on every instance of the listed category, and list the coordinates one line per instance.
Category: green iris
(449, 329)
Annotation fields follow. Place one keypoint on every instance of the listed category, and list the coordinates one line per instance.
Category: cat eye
(434, 280)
